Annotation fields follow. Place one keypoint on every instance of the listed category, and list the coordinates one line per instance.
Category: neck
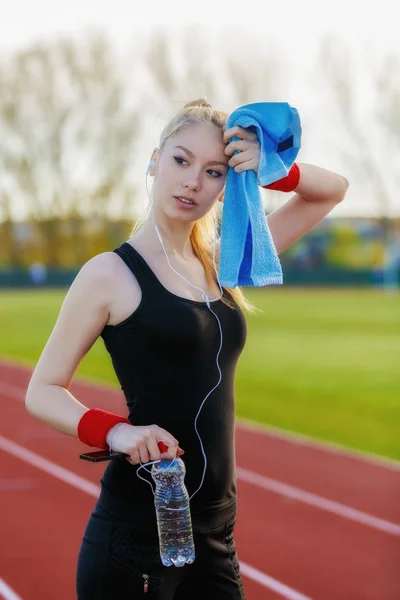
(175, 236)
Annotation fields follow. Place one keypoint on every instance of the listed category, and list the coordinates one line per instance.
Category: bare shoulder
(91, 290)
(104, 266)
(116, 287)
(100, 273)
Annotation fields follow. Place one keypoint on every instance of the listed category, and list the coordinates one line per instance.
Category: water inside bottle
(173, 513)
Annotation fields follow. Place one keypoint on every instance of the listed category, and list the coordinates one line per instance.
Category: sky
(296, 26)
(23, 20)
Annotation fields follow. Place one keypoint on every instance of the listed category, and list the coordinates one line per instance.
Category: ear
(154, 157)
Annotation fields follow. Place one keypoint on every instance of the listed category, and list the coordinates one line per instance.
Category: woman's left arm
(316, 194)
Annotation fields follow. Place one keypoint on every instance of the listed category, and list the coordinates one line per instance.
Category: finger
(164, 436)
(170, 451)
(134, 456)
(153, 449)
(239, 132)
(179, 450)
(241, 157)
(230, 133)
(246, 133)
(241, 145)
(246, 166)
(143, 454)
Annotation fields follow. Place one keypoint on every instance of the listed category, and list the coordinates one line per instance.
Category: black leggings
(118, 559)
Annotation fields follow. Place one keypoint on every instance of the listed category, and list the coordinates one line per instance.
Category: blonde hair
(202, 234)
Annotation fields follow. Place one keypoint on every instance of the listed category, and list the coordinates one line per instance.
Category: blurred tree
(388, 96)
(368, 135)
(72, 121)
(159, 63)
(10, 250)
(68, 137)
(340, 71)
(188, 66)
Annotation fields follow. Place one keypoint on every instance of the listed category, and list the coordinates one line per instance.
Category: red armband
(288, 183)
(94, 426)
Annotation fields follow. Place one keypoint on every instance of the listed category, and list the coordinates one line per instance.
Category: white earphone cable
(207, 301)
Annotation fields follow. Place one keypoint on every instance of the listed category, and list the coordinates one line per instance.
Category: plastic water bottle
(174, 521)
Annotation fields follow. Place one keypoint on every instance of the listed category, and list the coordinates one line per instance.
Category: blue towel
(247, 253)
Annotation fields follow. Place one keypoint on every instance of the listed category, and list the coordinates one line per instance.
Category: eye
(177, 158)
(218, 174)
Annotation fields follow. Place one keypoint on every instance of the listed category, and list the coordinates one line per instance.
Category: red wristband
(288, 183)
(94, 426)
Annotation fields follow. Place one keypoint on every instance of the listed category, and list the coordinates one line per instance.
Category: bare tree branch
(336, 65)
(68, 135)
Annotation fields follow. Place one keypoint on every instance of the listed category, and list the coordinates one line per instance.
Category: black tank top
(164, 355)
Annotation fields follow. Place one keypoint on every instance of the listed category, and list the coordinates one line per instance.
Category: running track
(314, 522)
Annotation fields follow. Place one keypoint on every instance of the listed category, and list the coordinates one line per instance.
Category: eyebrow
(210, 162)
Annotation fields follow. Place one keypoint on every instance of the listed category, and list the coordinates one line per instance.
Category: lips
(185, 198)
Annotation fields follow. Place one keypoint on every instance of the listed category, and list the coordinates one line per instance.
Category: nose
(192, 184)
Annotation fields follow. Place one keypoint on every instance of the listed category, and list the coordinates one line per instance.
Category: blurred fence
(295, 276)
(352, 252)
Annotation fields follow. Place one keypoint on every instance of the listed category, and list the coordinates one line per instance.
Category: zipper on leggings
(145, 584)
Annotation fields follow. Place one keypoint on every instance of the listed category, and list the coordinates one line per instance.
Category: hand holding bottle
(143, 443)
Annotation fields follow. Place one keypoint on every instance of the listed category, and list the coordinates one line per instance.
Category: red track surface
(300, 546)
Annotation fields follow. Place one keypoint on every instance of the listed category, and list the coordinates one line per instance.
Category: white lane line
(331, 506)
(93, 490)
(49, 467)
(7, 593)
(271, 583)
(281, 488)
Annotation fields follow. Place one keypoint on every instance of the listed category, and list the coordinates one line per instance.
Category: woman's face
(198, 173)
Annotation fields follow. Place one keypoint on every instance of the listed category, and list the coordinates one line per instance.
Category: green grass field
(324, 363)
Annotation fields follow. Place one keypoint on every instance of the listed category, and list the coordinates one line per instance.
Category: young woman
(163, 341)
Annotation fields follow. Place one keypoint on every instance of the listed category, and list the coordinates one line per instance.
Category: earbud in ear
(151, 164)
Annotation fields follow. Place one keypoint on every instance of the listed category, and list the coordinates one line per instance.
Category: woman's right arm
(83, 315)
